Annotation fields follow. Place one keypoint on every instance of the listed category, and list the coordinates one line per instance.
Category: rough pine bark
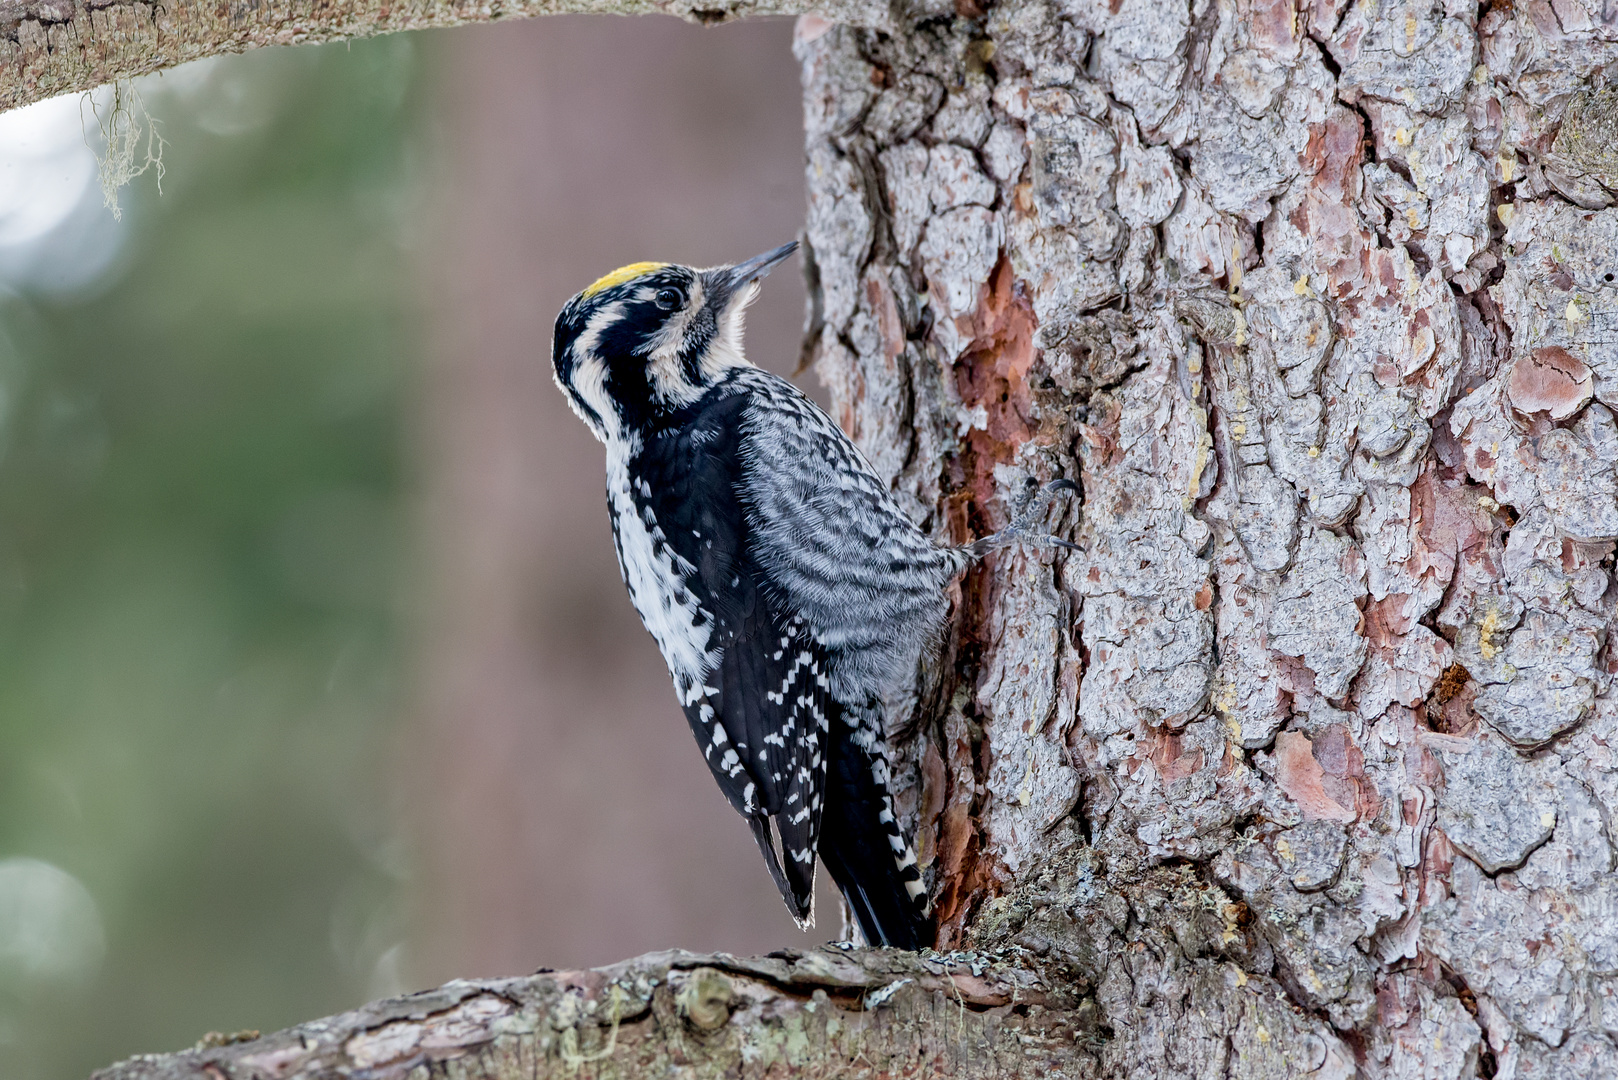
(1304, 764)
(1320, 303)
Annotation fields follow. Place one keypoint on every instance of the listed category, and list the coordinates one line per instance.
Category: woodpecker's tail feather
(868, 857)
(795, 880)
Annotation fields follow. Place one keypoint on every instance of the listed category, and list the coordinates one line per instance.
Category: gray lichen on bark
(828, 1013)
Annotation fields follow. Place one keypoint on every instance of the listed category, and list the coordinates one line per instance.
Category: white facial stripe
(600, 319)
(590, 384)
(655, 574)
(590, 374)
(663, 362)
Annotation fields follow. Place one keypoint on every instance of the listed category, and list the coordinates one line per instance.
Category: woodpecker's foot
(1028, 519)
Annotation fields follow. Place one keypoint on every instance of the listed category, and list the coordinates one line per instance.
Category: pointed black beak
(759, 265)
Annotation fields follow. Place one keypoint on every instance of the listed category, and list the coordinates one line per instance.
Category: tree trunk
(1301, 766)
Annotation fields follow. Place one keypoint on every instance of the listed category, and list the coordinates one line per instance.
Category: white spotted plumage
(658, 581)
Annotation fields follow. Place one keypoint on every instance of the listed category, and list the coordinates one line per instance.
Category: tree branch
(51, 47)
(828, 1012)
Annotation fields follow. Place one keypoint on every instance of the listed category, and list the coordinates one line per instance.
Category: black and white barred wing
(827, 534)
(768, 698)
(871, 588)
(760, 709)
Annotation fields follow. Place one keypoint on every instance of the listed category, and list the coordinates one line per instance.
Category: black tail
(795, 881)
(868, 857)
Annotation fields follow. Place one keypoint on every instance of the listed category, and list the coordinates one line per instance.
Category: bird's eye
(669, 299)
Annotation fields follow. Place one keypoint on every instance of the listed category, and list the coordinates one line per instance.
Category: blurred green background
(317, 681)
(201, 566)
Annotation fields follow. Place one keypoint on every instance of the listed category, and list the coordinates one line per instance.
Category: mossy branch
(53, 47)
(827, 1012)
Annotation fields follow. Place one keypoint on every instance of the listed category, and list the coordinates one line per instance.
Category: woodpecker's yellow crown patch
(621, 275)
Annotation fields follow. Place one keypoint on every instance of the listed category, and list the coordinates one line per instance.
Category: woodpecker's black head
(652, 337)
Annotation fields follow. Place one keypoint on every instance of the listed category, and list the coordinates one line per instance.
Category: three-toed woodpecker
(785, 588)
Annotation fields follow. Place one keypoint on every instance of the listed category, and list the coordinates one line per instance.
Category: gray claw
(1033, 509)
(1027, 518)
